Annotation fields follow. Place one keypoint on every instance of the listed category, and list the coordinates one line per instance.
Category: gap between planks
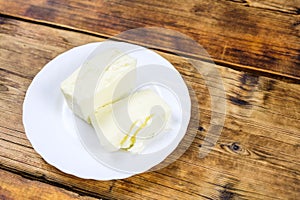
(42, 179)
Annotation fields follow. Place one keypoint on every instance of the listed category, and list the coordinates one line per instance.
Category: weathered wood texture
(13, 186)
(256, 157)
(247, 34)
(284, 6)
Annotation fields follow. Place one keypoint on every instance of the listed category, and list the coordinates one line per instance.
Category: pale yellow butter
(137, 111)
(105, 90)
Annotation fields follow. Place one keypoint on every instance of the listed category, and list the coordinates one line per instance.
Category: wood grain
(256, 157)
(290, 7)
(245, 34)
(13, 186)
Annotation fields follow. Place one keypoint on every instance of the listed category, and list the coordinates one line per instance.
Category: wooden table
(256, 45)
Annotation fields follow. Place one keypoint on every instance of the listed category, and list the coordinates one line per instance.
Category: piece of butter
(130, 123)
(106, 87)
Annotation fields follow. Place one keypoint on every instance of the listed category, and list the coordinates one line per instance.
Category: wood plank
(256, 156)
(13, 186)
(245, 34)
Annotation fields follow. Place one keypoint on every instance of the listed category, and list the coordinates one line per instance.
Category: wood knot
(236, 148)
(200, 128)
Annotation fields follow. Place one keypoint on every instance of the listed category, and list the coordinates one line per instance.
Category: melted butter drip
(133, 138)
(126, 136)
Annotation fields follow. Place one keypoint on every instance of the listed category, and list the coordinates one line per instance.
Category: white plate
(50, 125)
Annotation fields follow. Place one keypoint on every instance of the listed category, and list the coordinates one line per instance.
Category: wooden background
(256, 45)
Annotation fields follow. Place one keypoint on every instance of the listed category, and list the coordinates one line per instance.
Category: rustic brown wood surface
(260, 35)
(14, 186)
(256, 157)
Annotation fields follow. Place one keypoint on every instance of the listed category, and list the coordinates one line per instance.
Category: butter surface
(136, 122)
(105, 90)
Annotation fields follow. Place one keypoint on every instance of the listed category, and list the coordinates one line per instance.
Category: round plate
(51, 126)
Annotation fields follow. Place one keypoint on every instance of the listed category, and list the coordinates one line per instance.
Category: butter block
(106, 87)
(130, 123)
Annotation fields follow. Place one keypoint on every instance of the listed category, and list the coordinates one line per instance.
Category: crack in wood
(29, 147)
(227, 64)
(269, 6)
(238, 101)
(43, 179)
